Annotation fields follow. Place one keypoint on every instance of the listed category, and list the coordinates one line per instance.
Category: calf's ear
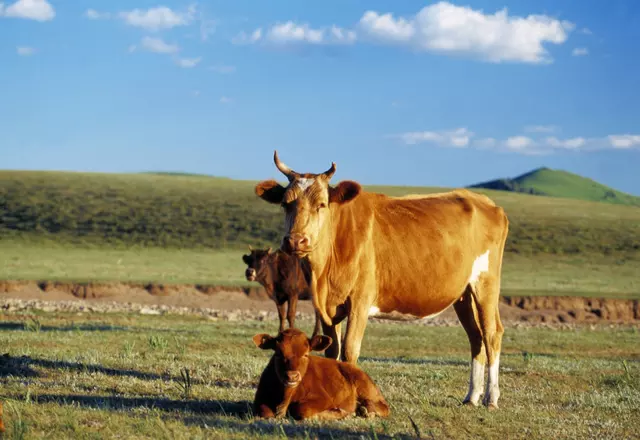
(270, 191)
(264, 341)
(344, 192)
(320, 342)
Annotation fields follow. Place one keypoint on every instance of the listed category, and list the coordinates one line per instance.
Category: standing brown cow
(417, 254)
(284, 277)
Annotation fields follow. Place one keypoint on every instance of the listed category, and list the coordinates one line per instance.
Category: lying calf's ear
(320, 342)
(264, 341)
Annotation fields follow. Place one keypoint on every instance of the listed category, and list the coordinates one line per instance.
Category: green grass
(122, 376)
(195, 212)
(522, 275)
(558, 183)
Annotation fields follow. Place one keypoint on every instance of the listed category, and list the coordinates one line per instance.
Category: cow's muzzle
(296, 244)
(250, 274)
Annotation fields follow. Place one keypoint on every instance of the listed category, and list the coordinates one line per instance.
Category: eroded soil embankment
(544, 309)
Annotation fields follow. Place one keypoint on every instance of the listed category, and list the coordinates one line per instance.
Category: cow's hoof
(469, 403)
(492, 406)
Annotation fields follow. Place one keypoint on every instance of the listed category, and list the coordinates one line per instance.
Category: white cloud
(519, 142)
(463, 137)
(195, 93)
(39, 10)
(158, 18)
(293, 33)
(571, 144)
(25, 51)
(459, 30)
(624, 140)
(540, 128)
(158, 45)
(188, 63)
(244, 38)
(221, 68)
(586, 31)
(580, 51)
(225, 100)
(92, 14)
(459, 137)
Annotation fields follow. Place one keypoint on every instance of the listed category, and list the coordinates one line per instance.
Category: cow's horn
(329, 173)
(283, 168)
(250, 248)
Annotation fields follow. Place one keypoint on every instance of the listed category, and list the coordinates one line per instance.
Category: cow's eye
(321, 205)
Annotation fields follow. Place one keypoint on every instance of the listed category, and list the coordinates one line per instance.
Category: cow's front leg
(318, 326)
(281, 313)
(358, 318)
(333, 331)
(291, 312)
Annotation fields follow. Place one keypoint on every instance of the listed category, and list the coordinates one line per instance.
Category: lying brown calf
(312, 386)
(284, 277)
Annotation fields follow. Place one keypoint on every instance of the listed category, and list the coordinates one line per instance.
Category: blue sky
(417, 93)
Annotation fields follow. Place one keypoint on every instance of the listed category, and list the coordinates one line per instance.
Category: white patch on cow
(476, 382)
(480, 266)
(493, 390)
(373, 310)
(304, 183)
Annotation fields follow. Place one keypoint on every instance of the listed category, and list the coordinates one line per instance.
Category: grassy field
(194, 229)
(558, 183)
(523, 275)
(119, 376)
(191, 212)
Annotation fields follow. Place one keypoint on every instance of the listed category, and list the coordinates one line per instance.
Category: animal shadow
(22, 366)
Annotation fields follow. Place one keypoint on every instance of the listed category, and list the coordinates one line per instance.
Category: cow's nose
(293, 376)
(296, 241)
(250, 273)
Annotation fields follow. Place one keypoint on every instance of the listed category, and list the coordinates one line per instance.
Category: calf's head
(291, 356)
(307, 202)
(256, 263)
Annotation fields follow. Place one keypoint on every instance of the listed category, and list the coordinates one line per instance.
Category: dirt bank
(529, 309)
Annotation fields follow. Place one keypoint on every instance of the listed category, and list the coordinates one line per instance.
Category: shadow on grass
(22, 326)
(22, 366)
(208, 414)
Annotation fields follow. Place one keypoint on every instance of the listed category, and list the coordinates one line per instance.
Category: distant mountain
(557, 183)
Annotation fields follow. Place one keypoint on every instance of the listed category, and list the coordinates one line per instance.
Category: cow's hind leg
(467, 314)
(486, 295)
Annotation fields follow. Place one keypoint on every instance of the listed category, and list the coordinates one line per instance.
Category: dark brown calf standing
(284, 277)
(312, 386)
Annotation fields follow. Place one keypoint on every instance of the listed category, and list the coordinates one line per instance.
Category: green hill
(192, 212)
(558, 183)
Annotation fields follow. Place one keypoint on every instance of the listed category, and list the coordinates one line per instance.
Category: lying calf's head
(256, 262)
(291, 356)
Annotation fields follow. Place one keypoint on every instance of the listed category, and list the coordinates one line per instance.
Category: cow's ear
(246, 259)
(271, 191)
(320, 342)
(344, 192)
(264, 341)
